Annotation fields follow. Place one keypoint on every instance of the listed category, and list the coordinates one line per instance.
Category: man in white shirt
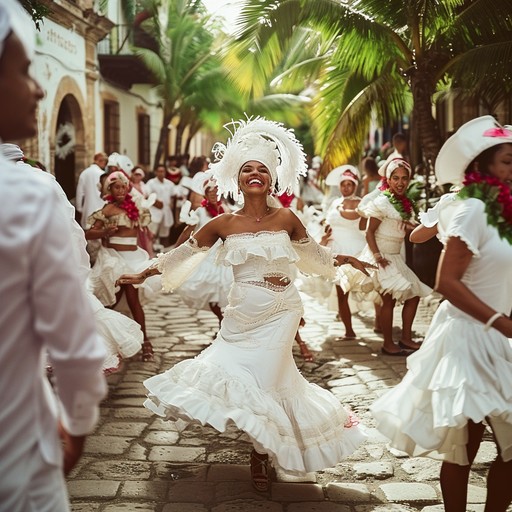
(162, 217)
(88, 198)
(44, 309)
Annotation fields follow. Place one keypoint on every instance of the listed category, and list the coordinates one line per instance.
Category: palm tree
(185, 43)
(387, 58)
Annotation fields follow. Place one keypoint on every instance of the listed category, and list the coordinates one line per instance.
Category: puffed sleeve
(464, 219)
(64, 320)
(97, 215)
(378, 207)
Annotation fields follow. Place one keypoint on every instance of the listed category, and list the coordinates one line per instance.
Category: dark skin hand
(73, 447)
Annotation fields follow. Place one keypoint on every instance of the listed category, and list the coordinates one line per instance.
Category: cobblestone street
(136, 462)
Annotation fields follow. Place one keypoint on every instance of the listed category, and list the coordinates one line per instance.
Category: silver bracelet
(491, 320)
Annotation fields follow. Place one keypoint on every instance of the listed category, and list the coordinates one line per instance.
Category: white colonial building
(99, 96)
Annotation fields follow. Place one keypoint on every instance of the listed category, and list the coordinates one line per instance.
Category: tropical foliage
(376, 58)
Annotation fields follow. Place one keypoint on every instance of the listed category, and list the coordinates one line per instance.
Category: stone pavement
(136, 462)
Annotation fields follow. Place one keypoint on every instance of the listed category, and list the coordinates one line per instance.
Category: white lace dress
(461, 372)
(248, 375)
(396, 279)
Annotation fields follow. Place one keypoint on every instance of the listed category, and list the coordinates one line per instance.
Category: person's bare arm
(98, 230)
(453, 264)
(205, 237)
(184, 235)
(373, 224)
(421, 234)
(72, 446)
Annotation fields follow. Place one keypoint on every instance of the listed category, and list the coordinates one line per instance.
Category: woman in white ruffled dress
(390, 213)
(117, 225)
(208, 287)
(344, 235)
(248, 375)
(461, 377)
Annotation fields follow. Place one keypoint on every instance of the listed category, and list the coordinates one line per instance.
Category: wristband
(377, 255)
(491, 320)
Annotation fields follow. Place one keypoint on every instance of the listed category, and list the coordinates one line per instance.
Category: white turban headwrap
(13, 18)
(263, 141)
(392, 164)
(112, 178)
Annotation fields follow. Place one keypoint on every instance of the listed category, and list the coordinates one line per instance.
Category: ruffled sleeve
(315, 259)
(97, 215)
(177, 265)
(464, 219)
(268, 245)
(378, 208)
(431, 217)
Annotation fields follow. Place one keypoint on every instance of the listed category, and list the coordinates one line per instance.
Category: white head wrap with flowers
(263, 141)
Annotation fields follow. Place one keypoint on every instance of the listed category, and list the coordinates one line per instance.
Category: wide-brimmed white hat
(471, 139)
(342, 173)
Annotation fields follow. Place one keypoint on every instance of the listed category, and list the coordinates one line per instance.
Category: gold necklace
(257, 219)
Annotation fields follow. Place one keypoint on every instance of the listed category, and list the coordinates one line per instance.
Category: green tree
(183, 65)
(386, 58)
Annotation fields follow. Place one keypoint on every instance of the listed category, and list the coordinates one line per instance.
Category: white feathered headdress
(264, 141)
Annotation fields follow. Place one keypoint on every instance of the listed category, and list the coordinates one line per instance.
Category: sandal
(304, 352)
(147, 353)
(259, 471)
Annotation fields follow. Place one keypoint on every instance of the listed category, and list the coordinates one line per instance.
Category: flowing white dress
(461, 372)
(248, 375)
(396, 279)
(211, 281)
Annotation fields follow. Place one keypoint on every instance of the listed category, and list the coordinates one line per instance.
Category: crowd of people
(239, 236)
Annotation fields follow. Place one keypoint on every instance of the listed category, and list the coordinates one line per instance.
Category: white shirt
(44, 310)
(164, 190)
(88, 198)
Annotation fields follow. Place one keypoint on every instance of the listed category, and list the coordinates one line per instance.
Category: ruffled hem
(451, 379)
(396, 279)
(122, 332)
(111, 264)
(305, 431)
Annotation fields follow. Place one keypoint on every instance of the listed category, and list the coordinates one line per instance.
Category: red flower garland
(212, 209)
(497, 197)
(402, 204)
(128, 205)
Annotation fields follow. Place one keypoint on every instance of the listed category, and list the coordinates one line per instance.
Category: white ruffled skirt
(248, 377)
(396, 279)
(111, 264)
(460, 373)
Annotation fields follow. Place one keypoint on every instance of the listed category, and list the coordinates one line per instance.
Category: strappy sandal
(304, 352)
(259, 471)
(147, 353)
